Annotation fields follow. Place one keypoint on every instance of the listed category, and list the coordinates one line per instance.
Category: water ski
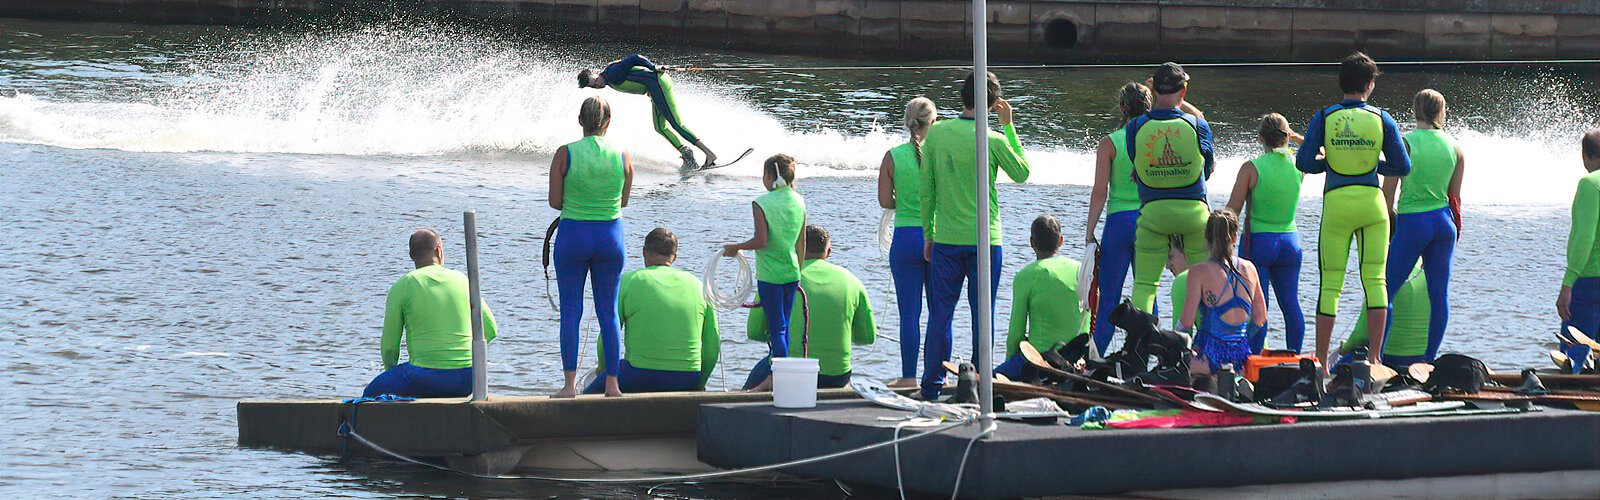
(1344, 413)
(1077, 400)
(875, 391)
(710, 166)
(1032, 355)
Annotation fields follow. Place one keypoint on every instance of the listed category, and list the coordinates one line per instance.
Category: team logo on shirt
(1345, 137)
(1168, 160)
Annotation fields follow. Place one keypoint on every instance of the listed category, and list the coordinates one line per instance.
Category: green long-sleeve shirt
(667, 323)
(430, 307)
(840, 315)
(1044, 305)
(1583, 247)
(1408, 328)
(949, 180)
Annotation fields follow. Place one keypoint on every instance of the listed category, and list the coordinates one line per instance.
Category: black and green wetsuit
(636, 75)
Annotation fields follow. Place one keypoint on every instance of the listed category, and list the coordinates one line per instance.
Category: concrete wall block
(660, 6)
(662, 16)
(618, 13)
(1127, 14)
(842, 8)
(911, 10)
(1450, 35)
(791, 8)
(573, 11)
(1523, 36)
(1578, 36)
(834, 18)
(1206, 18)
(1395, 34)
(1017, 13)
(1323, 35)
(1127, 29)
(706, 16)
(880, 9)
(1525, 25)
(745, 7)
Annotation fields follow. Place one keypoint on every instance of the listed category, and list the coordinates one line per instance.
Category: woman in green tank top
(780, 217)
(589, 183)
(1270, 184)
(1428, 216)
(900, 190)
(1117, 195)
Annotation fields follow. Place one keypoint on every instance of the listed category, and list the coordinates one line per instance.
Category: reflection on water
(182, 237)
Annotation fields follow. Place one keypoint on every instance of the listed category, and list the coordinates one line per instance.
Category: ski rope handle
(549, 239)
(805, 322)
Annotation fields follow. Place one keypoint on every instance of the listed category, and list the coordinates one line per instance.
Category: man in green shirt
(950, 219)
(670, 340)
(1579, 301)
(1044, 300)
(430, 308)
(838, 311)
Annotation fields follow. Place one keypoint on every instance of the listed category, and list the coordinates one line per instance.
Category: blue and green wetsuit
(1352, 134)
(428, 307)
(1425, 226)
(906, 264)
(1044, 310)
(1116, 238)
(588, 245)
(1172, 158)
(637, 75)
(1272, 242)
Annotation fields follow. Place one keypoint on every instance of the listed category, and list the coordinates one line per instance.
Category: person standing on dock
(670, 340)
(780, 218)
(1116, 193)
(1271, 186)
(1044, 299)
(839, 315)
(900, 189)
(1427, 207)
(1579, 301)
(1345, 141)
(950, 219)
(590, 181)
(430, 309)
(1172, 158)
(637, 75)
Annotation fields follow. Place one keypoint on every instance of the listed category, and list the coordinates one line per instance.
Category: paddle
(1032, 356)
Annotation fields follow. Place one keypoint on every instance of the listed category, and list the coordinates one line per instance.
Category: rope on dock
(1264, 64)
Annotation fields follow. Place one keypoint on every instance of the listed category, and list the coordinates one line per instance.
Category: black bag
(1457, 373)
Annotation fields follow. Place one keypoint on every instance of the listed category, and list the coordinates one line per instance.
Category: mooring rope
(743, 283)
(1263, 64)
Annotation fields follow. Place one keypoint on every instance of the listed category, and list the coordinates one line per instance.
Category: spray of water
(390, 90)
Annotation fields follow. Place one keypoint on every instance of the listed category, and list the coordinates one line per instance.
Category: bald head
(426, 248)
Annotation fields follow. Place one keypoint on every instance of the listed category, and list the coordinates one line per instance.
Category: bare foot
(903, 383)
(567, 392)
(711, 158)
(612, 390)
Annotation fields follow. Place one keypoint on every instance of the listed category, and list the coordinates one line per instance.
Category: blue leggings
(1431, 236)
(763, 369)
(1116, 257)
(582, 249)
(910, 271)
(1585, 306)
(634, 380)
(1277, 257)
(409, 380)
(780, 295)
(951, 265)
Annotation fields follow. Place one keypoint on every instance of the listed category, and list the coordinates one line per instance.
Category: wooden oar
(1031, 354)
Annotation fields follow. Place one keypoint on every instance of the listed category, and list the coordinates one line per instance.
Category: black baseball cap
(1169, 78)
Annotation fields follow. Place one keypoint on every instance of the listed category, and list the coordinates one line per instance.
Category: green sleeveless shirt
(907, 186)
(1433, 164)
(593, 184)
(785, 211)
(1277, 194)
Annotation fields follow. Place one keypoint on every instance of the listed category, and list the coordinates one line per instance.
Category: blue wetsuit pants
(1585, 306)
(763, 369)
(1277, 257)
(951, 266)
(780, 295)
(409, 380)
(910, 272)
(585, 249)
(1116, 258)
(1430, 236)
(634, 380)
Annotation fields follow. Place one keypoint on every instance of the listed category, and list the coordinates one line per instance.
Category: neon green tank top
(1124, 193)
(1433, 164)
(593, 185)
(786, 216)
(1277, 194)
(1170, 155)
(1353, 137)
(907, 186)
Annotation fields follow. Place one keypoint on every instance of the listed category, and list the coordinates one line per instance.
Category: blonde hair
(1429, 106)
(594, 115)
(1274, 131)
(920, 113)
(1222, 232)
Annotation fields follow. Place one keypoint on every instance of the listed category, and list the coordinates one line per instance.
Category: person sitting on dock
(637, 75)
(1224, 303)
(837, 314)
(430, 308)
(1044, 300)
(1407, 341)
(670, 338)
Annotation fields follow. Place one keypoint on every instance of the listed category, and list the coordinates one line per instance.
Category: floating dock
(1027, 460)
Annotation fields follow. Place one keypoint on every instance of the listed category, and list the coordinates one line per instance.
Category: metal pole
(480, 348)
(985, 309)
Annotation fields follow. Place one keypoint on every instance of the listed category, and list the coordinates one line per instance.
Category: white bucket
(794, 382)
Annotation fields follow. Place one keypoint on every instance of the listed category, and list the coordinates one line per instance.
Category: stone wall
(1019, 30)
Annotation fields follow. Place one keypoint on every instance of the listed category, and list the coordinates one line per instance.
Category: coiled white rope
(743, 286)
(1091, 258)
(886, 231)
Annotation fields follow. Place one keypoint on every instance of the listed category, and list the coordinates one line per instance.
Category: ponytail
(1222, 232)
(920, 113)
(1429, 106)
